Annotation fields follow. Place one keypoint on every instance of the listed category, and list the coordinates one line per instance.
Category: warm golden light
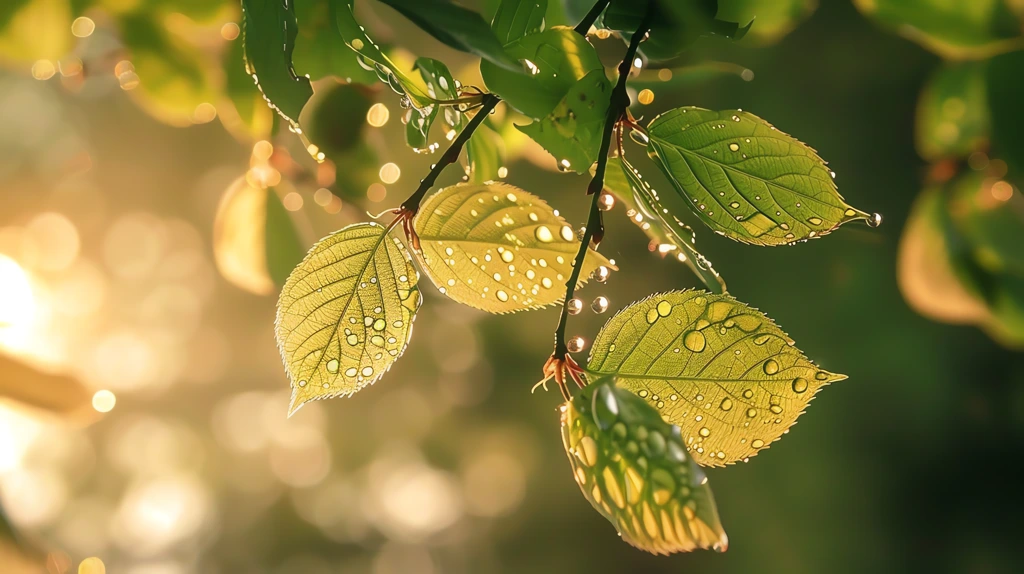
(83, 27)
(229, 31)
(377, 115)
(103, 401)
(389, 173)
(17, 304)
(376, 192)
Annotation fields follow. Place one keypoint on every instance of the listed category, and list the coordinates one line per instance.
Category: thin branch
(619, 102)
(584, 26)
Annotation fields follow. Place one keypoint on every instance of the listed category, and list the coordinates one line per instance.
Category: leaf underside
(498, 248)
(745, 179)
(633, 468)
(719, 369)
(345, 314)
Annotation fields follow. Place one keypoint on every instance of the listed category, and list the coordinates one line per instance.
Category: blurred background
(149, 203)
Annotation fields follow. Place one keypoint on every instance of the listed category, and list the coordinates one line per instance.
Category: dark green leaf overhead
(269, 28)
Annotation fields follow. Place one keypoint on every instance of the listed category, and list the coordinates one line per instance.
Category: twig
(584, 26)
(619, 102)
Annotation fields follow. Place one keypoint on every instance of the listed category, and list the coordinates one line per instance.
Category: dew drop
(575, 344)
(567, 233)
(777, 409)
(664, 308)
(694, 341)
(704, 431)
(734, 147)
(574, 306)
(367, 371)
(757, 443)
(814, 221)
(875, 220)
(507, 256)
(546, 282)
(351, 372)
(543, 234)
(606, 202)
(332, 366)
(502, 296)
(748, 394)
(771, 367)
(379, 325)
(600, 304)
(726, 404)
(352, 339)
(652, 316)
(602, 274)
(751, 413)
(799, 385)
(821, 375)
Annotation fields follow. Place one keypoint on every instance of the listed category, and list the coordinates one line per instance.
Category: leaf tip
(294, 404)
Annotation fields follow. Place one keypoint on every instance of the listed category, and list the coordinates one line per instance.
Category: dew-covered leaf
(498, 248)
(458, 27)
(668, 234)
(952, 112)
(572, 131)
(634, 469)
(720, 370)
(517, 18)
(355, 37)
(745, 179)
(556, 58)
(269, 30)
(960, 30)
(440, 86)
(320, 50)
(485, 153)
(345, 315)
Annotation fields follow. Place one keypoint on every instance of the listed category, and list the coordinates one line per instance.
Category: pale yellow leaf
(720, 370)
(346, 312)
(498, 248)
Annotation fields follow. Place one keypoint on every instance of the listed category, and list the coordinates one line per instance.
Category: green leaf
(1005, 94)
(667, 232)
(517, 18)
(320, 50)
(954, 30)
(33, 30)
(458, 27)
(335, 118)
(486, 154)
(557, 59)
(345, 315)
(676, 27)
(440, 86)
(269, 30)
(498, 248)
(721, 370)
(173, 79)
(633, 468)
(747, 180)
(248, 116)
(774, 18)
(357, 40)
(285, 249)
(572, 131)
(952, 112)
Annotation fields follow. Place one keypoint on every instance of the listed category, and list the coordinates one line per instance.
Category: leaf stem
(619, 102)
(584, 26)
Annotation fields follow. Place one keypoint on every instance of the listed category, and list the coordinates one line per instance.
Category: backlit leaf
(634, 469)
(556, 58)
(345, 315)
(517, 18)
(486, 154)
(719, 369)
(669, 235)
(498, 248)
(245, 113)
(772, 19)
(357, 39)
(952, 112)
(35, 29)
(269, 31)
(676, 26)
(745, 179)
(572, 131)
(458, 27)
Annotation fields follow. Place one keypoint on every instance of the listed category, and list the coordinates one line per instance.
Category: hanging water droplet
(567, 233)
(575, 344)
(602, 274)
(606, 202)
(574, 306)
(600, 304)
(875, 220)
(405, 102)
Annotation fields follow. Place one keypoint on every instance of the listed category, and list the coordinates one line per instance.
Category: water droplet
(379, 325)
(814, 221)
(875, 220)
(502, 296)
(544, 235)
(726, 404)
(751, 413)
(757, 443)
(606, 202)
(652, 316)
(351, 372)
(694, 341)
(302, 383)
(734, 147)
(507, 256)
(567, 233)
(664, 308)
(546, 282)
(574, 307)
(775, 409)
(602, 274)
(821, 375)
(704, 431)
(600, 304)
(799, 385)
(352, 339)
(367, 371)
(332, 366)
(771, 367)
(576, 344)
(748, 394)
(734, 205)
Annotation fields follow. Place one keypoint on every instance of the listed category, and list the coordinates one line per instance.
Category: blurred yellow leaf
(35, 30)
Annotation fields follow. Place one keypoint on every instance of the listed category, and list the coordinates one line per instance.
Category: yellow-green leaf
(498, 248)
(721, 370)
(747, 180)
(633, 468)
(345, 314)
